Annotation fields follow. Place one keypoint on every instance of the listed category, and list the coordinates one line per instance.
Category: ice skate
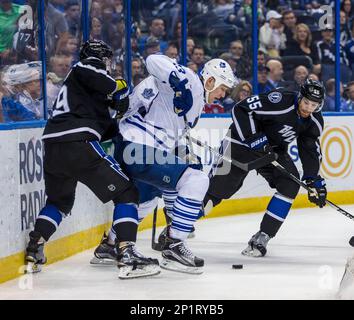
(178, 257)
(34, 257)
(105, 253)
(257, 246)
(132, 264)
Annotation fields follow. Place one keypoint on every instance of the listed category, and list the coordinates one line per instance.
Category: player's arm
(310, 155)
(171, 76)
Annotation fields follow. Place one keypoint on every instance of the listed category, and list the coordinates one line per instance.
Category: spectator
(275, 73)
(262, 57)
(112, 29)
(9, 14)
(330, 100)
(327, 53)
(137, 79)
(172, 50)
(344, 29)
(137, 67)
(157, 30)
(303, 45)
(264, 85)
(350, 95)
(348, 8)
(59, 4)
(190, 46)
(152, 45)
(271, 35)
(198, 57)
(59, 67)
(118, 6)
(300, 75)
(230, 59)
(72, 16)
(68, 45)
(242, 91)
(96, 10)
(24, 101)
(289, 21)
(223, 8)
(236, 49)
(96, 29)
(349, 50)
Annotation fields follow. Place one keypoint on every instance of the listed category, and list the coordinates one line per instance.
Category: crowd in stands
(293, 45)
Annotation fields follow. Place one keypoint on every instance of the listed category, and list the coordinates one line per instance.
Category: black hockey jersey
(275, 115)
(80, 111)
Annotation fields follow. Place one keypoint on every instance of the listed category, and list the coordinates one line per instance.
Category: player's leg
(60, 190)
(107, 180)
(106, 253)
(226, 179)
(278, 207)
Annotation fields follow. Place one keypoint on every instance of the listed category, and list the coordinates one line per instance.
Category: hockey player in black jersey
(80, 120)
(268, 123)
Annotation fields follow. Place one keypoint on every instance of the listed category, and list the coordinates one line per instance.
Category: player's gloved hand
(120, 99)
(183, 99)
(319, 194)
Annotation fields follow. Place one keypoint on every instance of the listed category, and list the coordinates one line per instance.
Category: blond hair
(309, 35)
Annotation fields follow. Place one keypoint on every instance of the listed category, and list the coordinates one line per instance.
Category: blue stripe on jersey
(51, 212)
(147, 131)
(125, 211)
(279, 207)
(114, 164)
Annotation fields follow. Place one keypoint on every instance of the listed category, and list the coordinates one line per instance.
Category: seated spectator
(73, 16)
(275, 76)
(198, 57)
(300, 75)
(330, 100)
(303, 45)
(242, 91)
(190, 46)
(152, 45)
(156, 30)
(344, 29)
(349, 50)
(347, 6)
(23, 100)
(236, 49)
(289, 21)
(96, 29)
(271, 35)
(59, 67)
(264, 85)
(262, 57)
(223, 8)
(350, 94)
(96, 9)
(327, 53)
(172, 50)
(68, 45)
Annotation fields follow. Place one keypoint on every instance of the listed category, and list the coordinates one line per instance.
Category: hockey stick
(155, 245)
(255, 164)
(302, 184)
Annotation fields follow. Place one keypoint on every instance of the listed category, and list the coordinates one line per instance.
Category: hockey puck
(351, 241)
(237, 266)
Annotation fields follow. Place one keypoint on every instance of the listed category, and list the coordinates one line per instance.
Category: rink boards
(22, 190)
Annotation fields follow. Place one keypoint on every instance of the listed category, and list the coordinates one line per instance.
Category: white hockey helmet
(221, 71)
(22, 73)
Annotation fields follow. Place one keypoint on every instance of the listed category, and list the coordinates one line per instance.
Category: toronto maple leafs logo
(222, 65)
(148, 93)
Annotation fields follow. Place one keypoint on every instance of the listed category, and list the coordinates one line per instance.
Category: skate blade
(127, 272)
(103, 262)
(179, 267)
(249, 252)
(32, 267)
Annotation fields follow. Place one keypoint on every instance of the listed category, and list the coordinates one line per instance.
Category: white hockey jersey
(150, 119)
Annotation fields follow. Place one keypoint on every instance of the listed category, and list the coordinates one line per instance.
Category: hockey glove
(183, 99)
(319, 192)
(120, 99)
(259, 144)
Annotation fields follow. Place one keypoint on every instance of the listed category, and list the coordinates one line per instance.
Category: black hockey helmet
(314, 91)
(95, 48)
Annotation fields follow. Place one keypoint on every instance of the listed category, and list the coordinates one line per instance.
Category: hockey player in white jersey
(162, 108)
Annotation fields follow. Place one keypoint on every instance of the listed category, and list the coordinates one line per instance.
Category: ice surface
(305, 261)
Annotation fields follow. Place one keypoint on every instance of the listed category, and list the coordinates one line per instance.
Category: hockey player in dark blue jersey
(269, 123)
